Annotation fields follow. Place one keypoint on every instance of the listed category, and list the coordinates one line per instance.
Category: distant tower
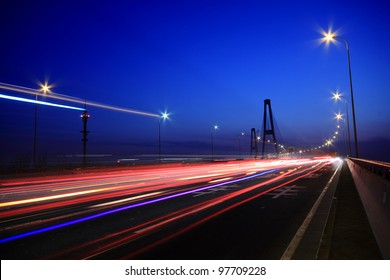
(254, 147)
(84, 117)
(268, 129)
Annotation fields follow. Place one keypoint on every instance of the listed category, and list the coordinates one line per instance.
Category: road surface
(249, 209)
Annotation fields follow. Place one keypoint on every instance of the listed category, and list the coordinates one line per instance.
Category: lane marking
(313, 176)
(289, 252)
(285, 191)
(221, 188)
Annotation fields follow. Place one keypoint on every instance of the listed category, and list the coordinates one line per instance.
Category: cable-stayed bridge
(294, 205)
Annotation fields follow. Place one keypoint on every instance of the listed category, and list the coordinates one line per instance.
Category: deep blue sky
(205, 62)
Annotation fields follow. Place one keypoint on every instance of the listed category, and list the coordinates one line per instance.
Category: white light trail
(54, 95)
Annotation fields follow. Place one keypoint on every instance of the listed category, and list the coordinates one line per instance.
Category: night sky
(204, 62)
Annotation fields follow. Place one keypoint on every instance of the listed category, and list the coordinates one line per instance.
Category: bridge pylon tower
(254, 147)
(268, 127)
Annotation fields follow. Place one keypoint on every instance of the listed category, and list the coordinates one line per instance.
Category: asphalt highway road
(249, 209)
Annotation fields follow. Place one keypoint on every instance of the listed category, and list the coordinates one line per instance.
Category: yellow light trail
(58, 96)
(103, 183)
(40, 199)
(60, 196)
(125, 200)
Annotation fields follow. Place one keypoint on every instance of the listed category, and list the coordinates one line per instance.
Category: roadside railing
(377, 167)
(372, 180)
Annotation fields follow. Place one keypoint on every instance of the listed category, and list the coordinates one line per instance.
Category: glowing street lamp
(338, 96)
(164, 116)
(330, 37)
(239, 143)
(45, 88)
(339, 116)
(215, 127)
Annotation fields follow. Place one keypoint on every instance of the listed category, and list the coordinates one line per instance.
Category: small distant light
(85, 115)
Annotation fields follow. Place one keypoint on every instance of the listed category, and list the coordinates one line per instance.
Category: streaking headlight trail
(39, 102)
(131, 206)
(72, 99)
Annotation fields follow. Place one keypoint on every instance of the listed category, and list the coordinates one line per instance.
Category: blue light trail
(39, 102)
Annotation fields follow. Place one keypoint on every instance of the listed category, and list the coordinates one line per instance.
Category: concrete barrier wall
(374, 191)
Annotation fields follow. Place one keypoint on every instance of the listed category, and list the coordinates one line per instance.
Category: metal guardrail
(377, 167)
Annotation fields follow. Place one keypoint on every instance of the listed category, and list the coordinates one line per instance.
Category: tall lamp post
(44, 88)
(239, 143)
(84, 117)
(164, 116)
(215, 127)
(337, 96)
(331, 37)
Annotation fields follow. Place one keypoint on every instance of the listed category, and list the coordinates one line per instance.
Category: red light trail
(32, 207)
